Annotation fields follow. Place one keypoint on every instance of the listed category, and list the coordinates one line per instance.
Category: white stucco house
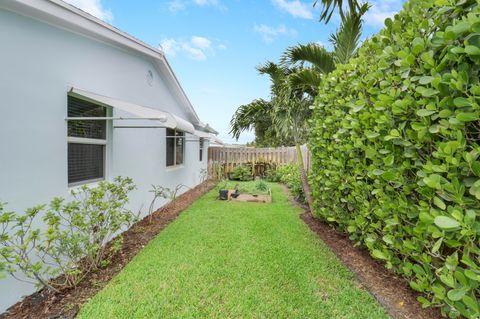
(81, 101)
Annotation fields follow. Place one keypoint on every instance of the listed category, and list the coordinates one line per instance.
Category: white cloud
(201, 42)
(196, 48)
(381, 10)
(175, 6)
(296, 8)
(269, 33)
(94, 7)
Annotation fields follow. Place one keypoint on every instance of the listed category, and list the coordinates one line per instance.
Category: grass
(235, 260)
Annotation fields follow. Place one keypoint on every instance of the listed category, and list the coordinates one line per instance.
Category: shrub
(272, 175)
(242, 173)
(79, 236)
(159, 192)
(395, 147)
(163, 193)
(290, 176)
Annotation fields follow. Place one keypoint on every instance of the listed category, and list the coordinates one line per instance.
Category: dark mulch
(66, 304)
(391, 291)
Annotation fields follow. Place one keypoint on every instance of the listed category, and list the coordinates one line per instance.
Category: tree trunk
(303, 175)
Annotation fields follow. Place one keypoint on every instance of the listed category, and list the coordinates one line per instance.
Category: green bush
(290, 176)
(396, 150)
(79, 237)
(242, 173)
(272, 175)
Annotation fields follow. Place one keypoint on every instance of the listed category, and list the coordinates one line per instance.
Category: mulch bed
(66, 304)
(391, 291)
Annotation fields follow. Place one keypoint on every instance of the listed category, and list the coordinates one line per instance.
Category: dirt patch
(391, 291)
(66, 304)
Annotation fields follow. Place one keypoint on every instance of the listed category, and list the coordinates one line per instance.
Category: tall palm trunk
(304, 177)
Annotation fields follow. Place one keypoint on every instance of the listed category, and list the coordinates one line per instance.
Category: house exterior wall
(38, 65)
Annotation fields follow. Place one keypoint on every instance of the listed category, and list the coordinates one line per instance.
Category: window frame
(174, 137)
(90, 141)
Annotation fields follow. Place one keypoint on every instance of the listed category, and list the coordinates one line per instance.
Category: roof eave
(69, 17)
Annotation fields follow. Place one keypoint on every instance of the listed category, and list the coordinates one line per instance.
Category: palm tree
(295, 83)
(289, 111)
(329, 6)
(312, 60)
(290, 118)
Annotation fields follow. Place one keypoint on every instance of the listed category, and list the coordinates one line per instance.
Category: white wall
(38, 64)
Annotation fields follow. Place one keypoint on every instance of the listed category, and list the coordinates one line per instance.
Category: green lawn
(235, 260)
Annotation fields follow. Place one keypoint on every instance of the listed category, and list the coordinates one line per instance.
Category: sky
(214, 46)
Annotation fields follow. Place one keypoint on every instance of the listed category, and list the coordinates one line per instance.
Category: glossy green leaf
(456, 294)
(467, 117)
(446, 223)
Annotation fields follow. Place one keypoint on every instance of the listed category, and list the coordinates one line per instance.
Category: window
(87, 141)
(175, 147)
(202, 145)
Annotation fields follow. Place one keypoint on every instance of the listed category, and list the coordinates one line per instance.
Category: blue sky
(215, 45)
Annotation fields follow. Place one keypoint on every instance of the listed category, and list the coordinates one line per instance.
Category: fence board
(225, 159)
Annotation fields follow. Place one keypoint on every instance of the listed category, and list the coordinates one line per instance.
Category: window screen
(175, 147)
(170, 148)
(88, 128)
(85, 162)
(202, 143)
(86, 158)
(179, 151)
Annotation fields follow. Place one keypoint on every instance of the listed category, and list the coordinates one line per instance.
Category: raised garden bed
(251, 198)
(258, 192)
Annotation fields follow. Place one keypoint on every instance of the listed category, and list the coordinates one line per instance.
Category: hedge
(395, 144)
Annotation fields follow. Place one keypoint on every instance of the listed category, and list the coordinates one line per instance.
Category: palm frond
(347, 38)
(275, 71)
(329, 6)
(306, 80)
(311, 54)
(247, 116)
(290, 113)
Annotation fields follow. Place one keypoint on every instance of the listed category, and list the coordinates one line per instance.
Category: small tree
(158, 192)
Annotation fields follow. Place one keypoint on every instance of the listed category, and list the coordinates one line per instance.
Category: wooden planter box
(251, 198)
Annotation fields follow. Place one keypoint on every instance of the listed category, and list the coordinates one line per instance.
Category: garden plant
(241, 173)
(81, 235)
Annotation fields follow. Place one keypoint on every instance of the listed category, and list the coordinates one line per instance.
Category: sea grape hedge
(396, 145)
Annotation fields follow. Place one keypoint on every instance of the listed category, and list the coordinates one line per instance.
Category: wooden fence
(222, 160)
